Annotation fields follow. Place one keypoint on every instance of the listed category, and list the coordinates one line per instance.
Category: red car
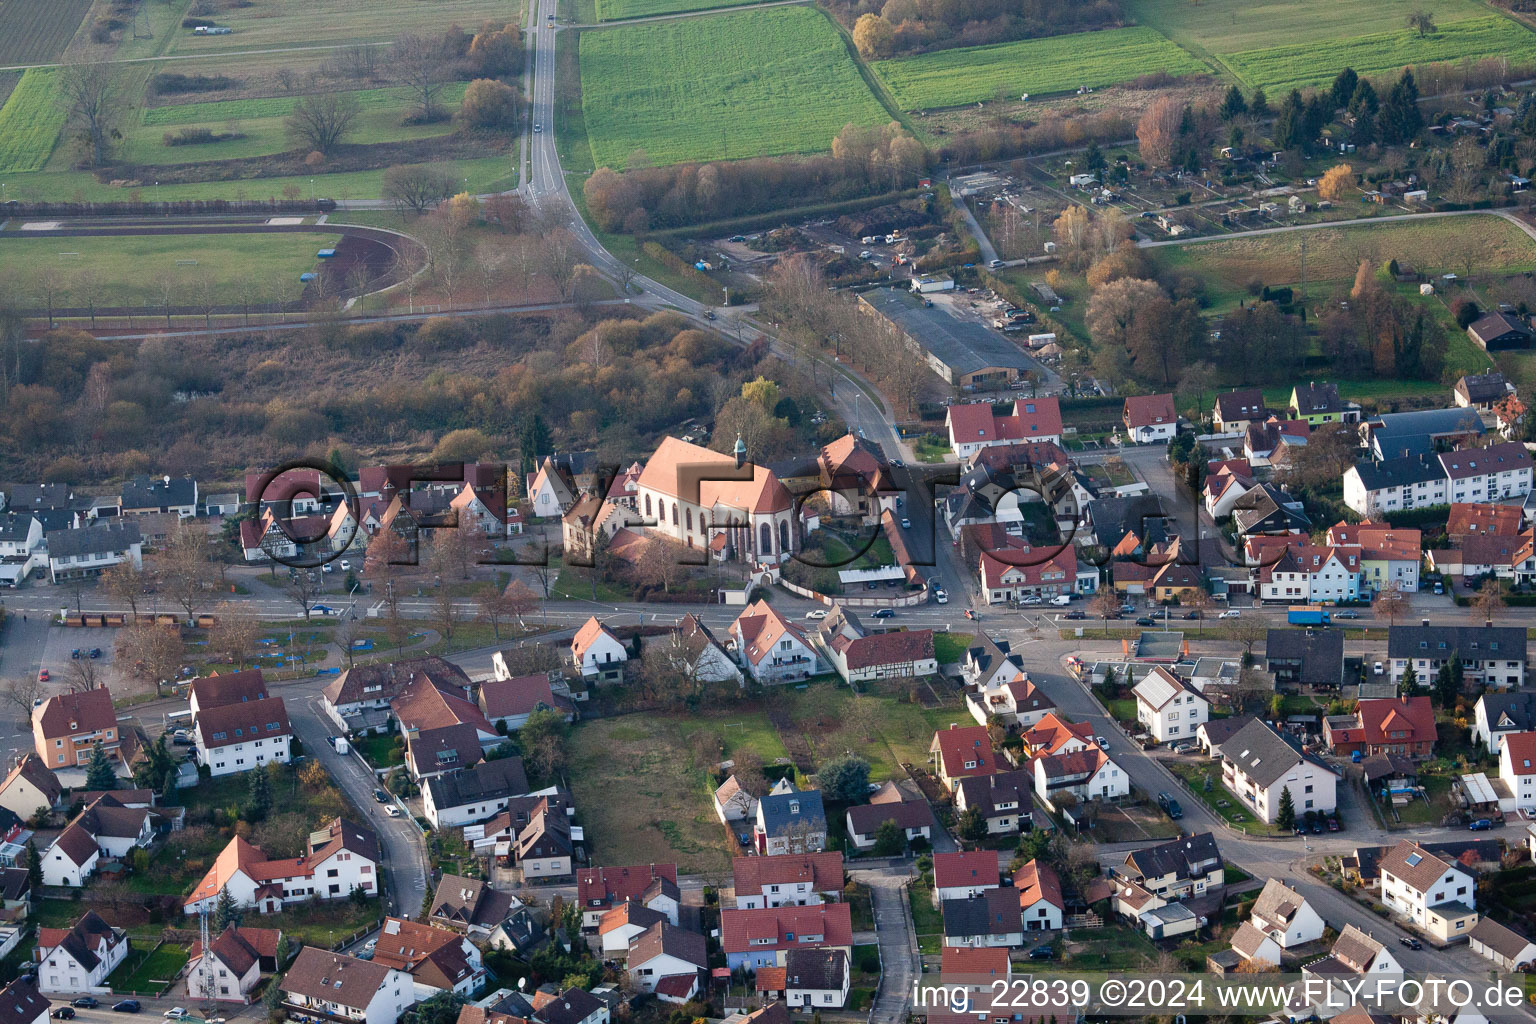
(42, 676)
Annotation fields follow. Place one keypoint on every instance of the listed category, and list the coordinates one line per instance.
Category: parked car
(1333, 824)
(392, 810)
(181, 737)
(63, 1013)
(1410, 943)
(381, 796)
(1230, 613)
(345, 565)
(175, 1013)
(75, 654)
(941, 596)
(1192, 615)
(1061, 600)
(86, 1003)
(43, 676)
(883, 613)
(906, 524)
(1346, 614)
(1480, 825)
(1102, 742)
(1377, 668)
(126, 1006)
(1439, 588)
(1042, 953)
(1074, 615)
(1146, 621)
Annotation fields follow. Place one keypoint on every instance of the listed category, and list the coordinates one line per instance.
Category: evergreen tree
(34, 870)
(1343, 88)
(1364, 107)
(1093, 159)
(1285, 817)
(1233, 104)
(1409, 684)
(168, 790)
(259, 798)
(272, 998)
(1259, 105)
(889, 841)
(99, 774)
(1445, 687)
(1290, 124)
(225, 912)
(1318, 114)
(1458, 677)
(1400, 118)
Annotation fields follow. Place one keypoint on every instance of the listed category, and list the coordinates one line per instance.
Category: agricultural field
(305, 23)
(30, 122)
(1483, 243)
(131, 268)
(612, 10)
(1236, 26)
(1298, 65)
(36, 31)
(948, 78)
(728, 86)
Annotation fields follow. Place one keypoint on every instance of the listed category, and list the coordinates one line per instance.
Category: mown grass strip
(222, 111)
(30, 123)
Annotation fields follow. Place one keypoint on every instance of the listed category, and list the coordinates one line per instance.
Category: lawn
(931, 448)
(149, 974)
(949, 78)
(33, 33)
(1435, 245)
(1303, 64)
(730, 86)
(612, 10)
(1219, 798)
(927, 919)
(130, 269)
(278, 22)
(29, 122)
(1233, 26)
(948, 647)
(380, 751)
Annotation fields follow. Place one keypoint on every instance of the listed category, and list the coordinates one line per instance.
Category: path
(988, 253)
(899, 960)
(1505, 214)
(684, 14)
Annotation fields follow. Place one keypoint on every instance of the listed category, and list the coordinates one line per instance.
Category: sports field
(36, 31)
(30, 122)
(131, 269)
(728, 86)
(1299, 65)
(948, 78)
(1235, 26)
(613, 10)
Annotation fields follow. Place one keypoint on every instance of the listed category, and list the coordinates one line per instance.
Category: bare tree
(1389, 603)
(360, 60)
(322, 120)
(417, 187)
(520, 600)
(1488, 600)
(419, 63)
(154, 652)
(94, 107)
(84, 673)
(234, 635)
(25, 692)
(496, 607)
(445, 615)
(127, 583)
(559, 258)
(183, 566)
(303, 587)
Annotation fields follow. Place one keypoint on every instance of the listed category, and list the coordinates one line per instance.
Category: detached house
(1285, 916)
(668, 961)
(1438, 895)
(1150, 418)
(1169, 708)
(233, 963)
(912, 817)
(80, 958)
(30, 787)
(1258, 764)
(458, 798)
(858, 656)
(1238, 408)
(1517, 768)
(1041, 906)
(339, 858)
(336, 986)
(90, 550)
(962, 751)
(1152, 883)
(599, 890)
(437, 959)
(470, 906)
(1395, 725)
(105, 826)
(509, 702)
(243, 735)
(1495, 716)
(771, 648)
(1320, 403)
(1087, 774)
(67, 726)
(754, 939)
(358, 700)
(598, 655)
(816, 978)
(1004, 800)
(797, 879)
(790, 820)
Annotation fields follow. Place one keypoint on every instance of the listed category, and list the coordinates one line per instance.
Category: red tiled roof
(69, 714)
(1052, 733)
(601, 887)
(1496, 520)
(1148, 410)
(832, 921)
(676, 467)
(1037, 882)
(823, 870)
(957, 745)
(952, 870)
(243, 722)
(1384, 717)
(587, 634)
(899, 647)
(1522, 752)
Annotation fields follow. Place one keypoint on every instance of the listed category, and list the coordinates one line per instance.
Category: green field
(131, 268)
(1297, 65)
(612, 10)
(29, 123)
(1234, 26)
(395, 101)
(149, 973)
(949, 78)
(35, 31)
(729, 86)
(306, 23)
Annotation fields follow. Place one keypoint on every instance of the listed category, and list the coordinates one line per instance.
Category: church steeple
(741, 451)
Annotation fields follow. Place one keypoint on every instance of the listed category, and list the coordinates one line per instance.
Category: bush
(489, 104)
(175, 82)
(197, 23)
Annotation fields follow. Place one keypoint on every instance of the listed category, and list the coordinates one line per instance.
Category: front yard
(149, 973)
(1206, 785)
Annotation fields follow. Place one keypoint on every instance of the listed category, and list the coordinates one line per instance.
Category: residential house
(1437, 895)
(143, 495)
(1284, 916)
(1087, 774)
(912, 817)
(1017, 704)
(599, 890)
(1312, 658)
(545, 847)
(733, 802)
(707, 500)
(958, 876)
(112, 828)
(1359, 953)
(1495, 716)
(243, 735)
(470, 906)
(1394, 434)
(79, 958)
(699, 654)
(787, 879)
(962, 751)
(1018, 571)
(974, 426)
(988, 663)
(1258, 764)
(444, 730)
(1266, 509)
(1005, 800)
(358, 700)
(1302, 573)
(21, 547)
(816, 978)
(859, 656)
(1395, 725)
(550, 492)
(1150, 418)
(1226, 481)
(1517, 768)
(452, 799)
(1506, 947)
(1395, 484)
(753, 939)
(1387, 555)
(668, 961)
(437, 959)
(1491, 656)
(69, 725)
(1498, 332)
(30, 787)
(1237, 408)
(1481, 391)
(1495, 473)
(991, 918)
(1507, 558)
(338, 859)
(20, 1003)
(1254, 946)
(1320, 403)
(335, 986)
(771, 648)
(233, 963)
(215, 691)
(1169, 708)
(520, 933)
(790, 820)
(598, 655)
(1154, 881)
(509, 702)
(1271, 442)
(1055, 735)
(1041, 906)
(72, 859)
(90, 550)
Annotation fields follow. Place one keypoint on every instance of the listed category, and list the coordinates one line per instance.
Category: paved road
(900, 963)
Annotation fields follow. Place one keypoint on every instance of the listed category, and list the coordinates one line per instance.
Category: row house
(21, 547)
(858, 656)
(753, 939)
(1492, 657)
(436, 959)
(976, 425)
(1504, 557)
(1088, 774)
(358, 700)
(338, 859)
(91, 550)
(1297, 572)
(1387, 555)
(1495, 473)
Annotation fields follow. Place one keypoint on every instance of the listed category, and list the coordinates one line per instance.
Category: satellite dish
(520, 983)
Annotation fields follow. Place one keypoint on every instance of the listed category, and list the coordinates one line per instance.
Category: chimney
(1424, 622)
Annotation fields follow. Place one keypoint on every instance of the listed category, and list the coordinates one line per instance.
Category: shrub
(175, 82)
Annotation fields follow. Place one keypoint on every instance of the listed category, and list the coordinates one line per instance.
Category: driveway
(899, 960)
